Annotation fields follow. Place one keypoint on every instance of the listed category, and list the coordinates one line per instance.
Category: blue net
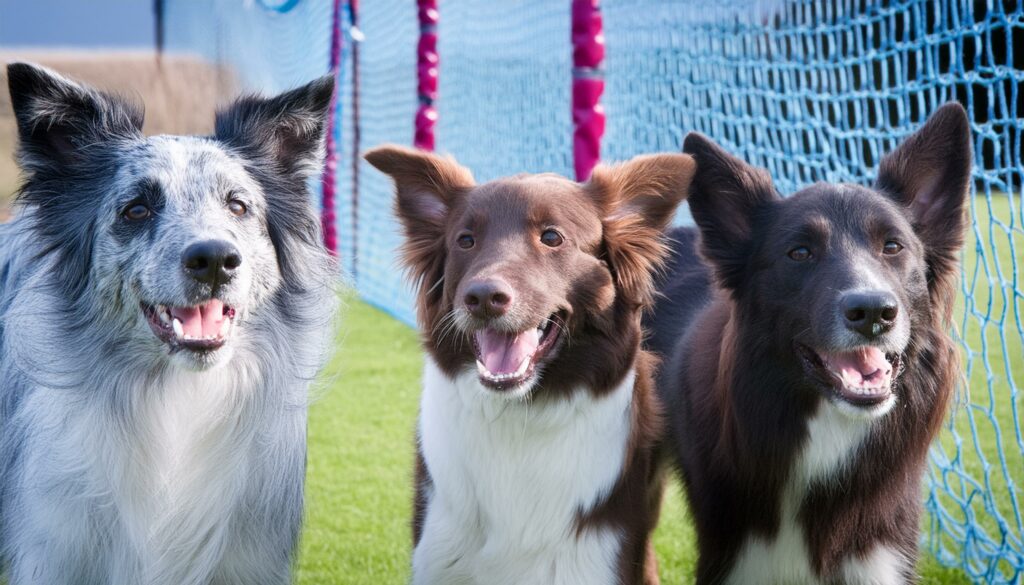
(388, 103)
(818, 91)
(811, 90)
(506, 86)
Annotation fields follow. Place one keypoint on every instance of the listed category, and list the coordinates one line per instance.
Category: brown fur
(416, 172)
(600, 278)
(421, 481)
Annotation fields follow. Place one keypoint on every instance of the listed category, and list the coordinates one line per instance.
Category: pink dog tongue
(202, 320)
(865, 367)
(501, 352)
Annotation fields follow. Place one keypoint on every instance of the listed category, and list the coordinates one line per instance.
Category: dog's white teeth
(225, 328)
(178, 329)
(165, 316)
(483, 371)
(523, 367)
(865, 391)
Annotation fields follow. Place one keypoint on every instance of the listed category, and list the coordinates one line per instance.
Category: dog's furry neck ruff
(119, 463)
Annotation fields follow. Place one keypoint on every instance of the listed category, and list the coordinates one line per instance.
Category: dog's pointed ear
(930, 174)
(286, 131)
(639, 198)
(426, 184)
(58, 118)
(725, 198)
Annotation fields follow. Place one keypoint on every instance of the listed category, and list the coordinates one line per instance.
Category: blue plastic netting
(811, 90)
(388, 102)
(818, 91)
(506, 86)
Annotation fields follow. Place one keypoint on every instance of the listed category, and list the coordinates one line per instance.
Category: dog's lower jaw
(203, 361)
(493, 346)
(860, 401)
(863, 413)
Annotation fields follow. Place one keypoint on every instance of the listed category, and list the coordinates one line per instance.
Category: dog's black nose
(869, 313)
(212, 262)
(488, 298)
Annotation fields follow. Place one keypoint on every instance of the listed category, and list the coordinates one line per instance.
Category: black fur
(63, 130)
(735, 308)
(281, 139)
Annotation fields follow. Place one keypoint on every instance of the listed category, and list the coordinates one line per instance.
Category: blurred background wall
(111, 44)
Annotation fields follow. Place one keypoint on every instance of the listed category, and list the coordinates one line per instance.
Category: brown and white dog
(538, 414)
(809, 365)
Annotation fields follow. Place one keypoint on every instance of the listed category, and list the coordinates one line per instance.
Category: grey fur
(122, 459)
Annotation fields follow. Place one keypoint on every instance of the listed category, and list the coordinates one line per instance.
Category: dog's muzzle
(203, 327)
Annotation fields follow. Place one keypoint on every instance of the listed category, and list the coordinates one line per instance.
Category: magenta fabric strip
(328, 217)
(587, 85)
(353, 15)
(427, 72)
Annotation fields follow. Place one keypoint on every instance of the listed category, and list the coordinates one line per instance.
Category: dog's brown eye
(465, 241)
(551, 238)
(136, 212)
(891, 248)
(237, 208)
(800, 254)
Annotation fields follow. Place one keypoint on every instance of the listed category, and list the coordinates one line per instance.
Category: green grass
(986, 320)
(361, 438)
(359, 486)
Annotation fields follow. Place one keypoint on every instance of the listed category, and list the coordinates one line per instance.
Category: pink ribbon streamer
(587, 85)
(328, 217)
(427, 73)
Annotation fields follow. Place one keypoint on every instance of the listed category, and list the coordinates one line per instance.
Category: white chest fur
(833, 438)
(510, 479)
(165, 478)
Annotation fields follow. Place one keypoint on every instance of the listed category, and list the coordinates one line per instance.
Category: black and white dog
(165, 303)
(809, 362)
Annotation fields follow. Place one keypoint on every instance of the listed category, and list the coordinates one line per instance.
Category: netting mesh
(505, 86)
(811, 90)
(818, 91)
(388, 102)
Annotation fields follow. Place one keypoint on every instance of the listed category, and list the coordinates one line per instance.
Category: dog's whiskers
(447, 327)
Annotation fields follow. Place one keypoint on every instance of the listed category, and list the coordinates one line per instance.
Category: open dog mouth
(203, 327)
(862, 377)
(505, 360)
